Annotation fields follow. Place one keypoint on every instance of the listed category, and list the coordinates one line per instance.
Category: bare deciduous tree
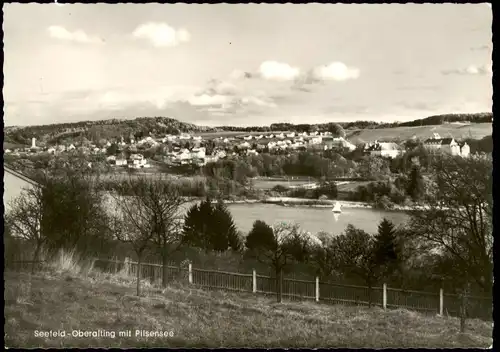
(458, 220)
(278, 246)
(149, 214)
(25, 219)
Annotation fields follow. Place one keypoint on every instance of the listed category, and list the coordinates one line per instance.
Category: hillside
(358, 130)
(107, 129)
(459, 132)
(98, 302)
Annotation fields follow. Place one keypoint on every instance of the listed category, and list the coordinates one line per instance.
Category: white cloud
(220, 87)
(207, 100)
(247, 100)
(471, 70)
(335, 71)
(161, 34)
(278, 71)
(79, 35)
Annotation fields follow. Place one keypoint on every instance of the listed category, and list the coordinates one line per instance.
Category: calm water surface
(312, 219)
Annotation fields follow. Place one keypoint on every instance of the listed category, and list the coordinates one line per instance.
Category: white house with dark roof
(446, 145)
(386, 150)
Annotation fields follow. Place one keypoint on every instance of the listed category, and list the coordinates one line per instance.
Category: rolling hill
(459, 132)
(459, 126)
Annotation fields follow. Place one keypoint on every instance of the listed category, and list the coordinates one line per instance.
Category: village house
(71, 147)
(446, 145)
(316, 140)
(385, 150)
(252, 152)
(137, 161)
(61, 148)
(211, 159)
(183, 156)
(51, 150)
(244, 145)
(113, 160)
(333, 143)
(247, 138)
(291, 135)
(198, 153)
(197, 138)
(271, 144)
(185, 136)
(218, 153)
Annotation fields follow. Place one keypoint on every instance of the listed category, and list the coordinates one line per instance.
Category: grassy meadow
(475, 131)
(67, 296)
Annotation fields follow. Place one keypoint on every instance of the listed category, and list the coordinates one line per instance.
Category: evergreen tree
(261, 233)
(416, 185)
(211, 227)
(386, 248)
(224, 234)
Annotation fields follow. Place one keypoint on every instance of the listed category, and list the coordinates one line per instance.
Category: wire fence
(296, 290)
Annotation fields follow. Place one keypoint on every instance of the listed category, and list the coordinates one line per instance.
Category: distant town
(186, 148)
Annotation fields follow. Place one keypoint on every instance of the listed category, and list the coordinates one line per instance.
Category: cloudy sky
(245, 64)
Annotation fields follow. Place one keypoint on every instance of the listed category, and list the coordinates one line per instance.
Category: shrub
(280, 189)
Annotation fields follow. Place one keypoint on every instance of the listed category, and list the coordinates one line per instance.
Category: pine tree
(261, 233)
(211, 227)
(416, 185)
(386, 247)
(224, 234)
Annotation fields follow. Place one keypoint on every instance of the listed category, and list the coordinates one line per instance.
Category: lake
(312, 219)
(309, 218)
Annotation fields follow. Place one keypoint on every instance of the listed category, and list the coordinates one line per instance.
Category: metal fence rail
(415, 300)
(222, 280)
(350, 294)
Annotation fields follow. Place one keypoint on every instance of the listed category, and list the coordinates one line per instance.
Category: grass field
(351, 186)
(51, 301)
(475, 131)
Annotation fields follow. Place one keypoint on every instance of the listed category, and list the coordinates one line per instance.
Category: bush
(280, 189)
(383, 203)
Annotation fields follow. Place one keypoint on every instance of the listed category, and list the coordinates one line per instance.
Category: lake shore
(313, 203)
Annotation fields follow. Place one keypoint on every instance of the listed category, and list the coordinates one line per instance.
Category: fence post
(441, 302)
(126, 264)
(190, 273)
(317, 289)
(384, 296)
(254, 281)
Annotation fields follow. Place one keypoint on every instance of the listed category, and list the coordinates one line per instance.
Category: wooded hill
(144, 126)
